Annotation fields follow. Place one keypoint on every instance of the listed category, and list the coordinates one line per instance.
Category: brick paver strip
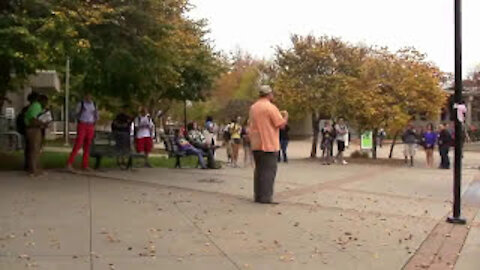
(391, 195)
(441, 248)
(365, 175)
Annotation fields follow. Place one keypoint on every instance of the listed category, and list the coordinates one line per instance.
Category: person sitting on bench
(184, 145)
(197, 139)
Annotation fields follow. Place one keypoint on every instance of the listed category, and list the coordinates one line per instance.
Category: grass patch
(61, 143)
(57, 160)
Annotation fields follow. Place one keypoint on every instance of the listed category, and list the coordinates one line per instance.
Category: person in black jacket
(121, 129)
(444, 143)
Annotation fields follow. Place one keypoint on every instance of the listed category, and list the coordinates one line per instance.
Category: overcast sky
(257, 26)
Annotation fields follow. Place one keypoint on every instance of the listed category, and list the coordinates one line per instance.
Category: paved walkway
(329, 217)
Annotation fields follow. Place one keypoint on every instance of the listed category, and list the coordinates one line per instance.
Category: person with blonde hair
(235, 129)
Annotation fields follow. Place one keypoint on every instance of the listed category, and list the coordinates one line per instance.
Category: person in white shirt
(342, 136)
(87, 116)
(143, 126)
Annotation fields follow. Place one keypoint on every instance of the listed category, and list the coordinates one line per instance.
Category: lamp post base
(457, 220)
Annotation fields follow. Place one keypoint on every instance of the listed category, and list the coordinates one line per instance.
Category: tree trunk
(2, 101)
(316, 131)
(374, 143)
(393, 144)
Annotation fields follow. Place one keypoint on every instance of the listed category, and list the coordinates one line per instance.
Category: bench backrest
(103, 138)
(170, 145)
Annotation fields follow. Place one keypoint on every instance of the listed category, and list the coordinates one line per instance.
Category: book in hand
(46, 117)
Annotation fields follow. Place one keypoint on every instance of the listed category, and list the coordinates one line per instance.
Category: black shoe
(269, 202)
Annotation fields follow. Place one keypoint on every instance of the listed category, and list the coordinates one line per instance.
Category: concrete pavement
(329, 217)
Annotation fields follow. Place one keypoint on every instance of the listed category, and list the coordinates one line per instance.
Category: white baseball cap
(265, 90)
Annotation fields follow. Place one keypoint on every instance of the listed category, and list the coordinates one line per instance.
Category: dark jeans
(264, 175)
(122, 142)
(445, 161)
(283, 152)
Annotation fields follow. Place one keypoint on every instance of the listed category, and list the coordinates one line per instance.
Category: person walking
(87, 116)
(227, 142)
(284, 138)
(247, 147)
(429, 140)
(265, 124)
(235, 130)
(445, 141)
(33, 133)
(341, 132)
(328, 136)
(409, 139)
(143, 129)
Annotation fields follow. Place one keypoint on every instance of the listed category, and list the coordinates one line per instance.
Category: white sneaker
(344, 162)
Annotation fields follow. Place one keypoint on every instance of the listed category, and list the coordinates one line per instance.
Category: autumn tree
(233, 92)
(311, 75)
(371, 87)
(391, 89)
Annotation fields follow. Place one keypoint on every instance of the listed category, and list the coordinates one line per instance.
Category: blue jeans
(198, 153)
(283, 152)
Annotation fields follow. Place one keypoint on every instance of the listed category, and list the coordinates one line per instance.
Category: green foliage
(20, 48)
(138, 52)
(232, 93)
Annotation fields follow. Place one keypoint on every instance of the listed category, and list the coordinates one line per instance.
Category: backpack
(137, 120)
(20, 121)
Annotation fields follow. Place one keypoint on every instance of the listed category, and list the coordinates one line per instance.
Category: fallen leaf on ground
(24, 256)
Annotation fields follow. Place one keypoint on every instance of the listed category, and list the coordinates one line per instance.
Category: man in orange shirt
(265, 124)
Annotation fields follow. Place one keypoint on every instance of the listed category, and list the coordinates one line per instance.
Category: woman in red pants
(87, 116)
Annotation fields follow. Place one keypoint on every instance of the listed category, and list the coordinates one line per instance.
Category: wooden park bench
(106, 144)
